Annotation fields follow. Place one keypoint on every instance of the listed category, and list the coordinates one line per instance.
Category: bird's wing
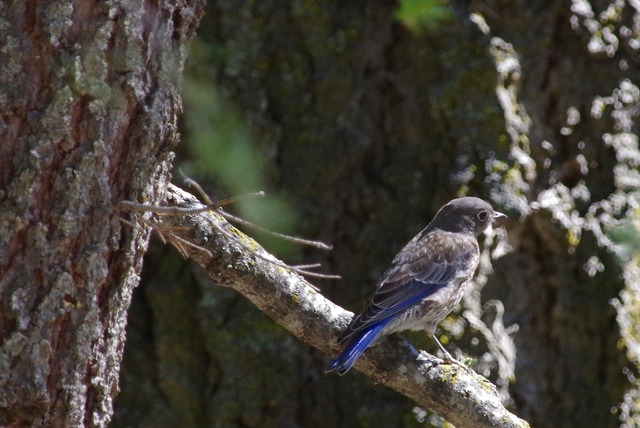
(424, 266)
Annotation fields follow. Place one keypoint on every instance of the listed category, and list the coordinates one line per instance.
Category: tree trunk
(89, 106)
(564, 273)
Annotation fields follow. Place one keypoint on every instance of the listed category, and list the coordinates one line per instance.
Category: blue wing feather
(394, 304)
(347, 358)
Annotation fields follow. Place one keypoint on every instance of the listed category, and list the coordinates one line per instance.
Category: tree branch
(459, 395)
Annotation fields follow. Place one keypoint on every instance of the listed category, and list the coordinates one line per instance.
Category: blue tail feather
(348, 357)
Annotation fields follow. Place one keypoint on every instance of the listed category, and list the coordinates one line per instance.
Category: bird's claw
(448, 359)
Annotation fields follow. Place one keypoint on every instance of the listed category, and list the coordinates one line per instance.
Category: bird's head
(466, 215)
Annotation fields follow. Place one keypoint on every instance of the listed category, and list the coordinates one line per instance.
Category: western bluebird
(425, 282)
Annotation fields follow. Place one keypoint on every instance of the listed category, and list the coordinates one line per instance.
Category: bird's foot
(448, 359)
(466, 364)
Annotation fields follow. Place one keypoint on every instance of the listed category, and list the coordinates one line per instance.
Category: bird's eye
(482, 215)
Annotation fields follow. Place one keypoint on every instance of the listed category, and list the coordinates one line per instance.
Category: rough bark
(88, 114)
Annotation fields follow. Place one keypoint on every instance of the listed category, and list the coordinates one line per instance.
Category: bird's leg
(447, 356)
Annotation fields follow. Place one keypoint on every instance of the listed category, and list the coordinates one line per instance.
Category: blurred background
(359, 120)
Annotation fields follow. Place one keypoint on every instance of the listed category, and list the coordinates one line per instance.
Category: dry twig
(167, 235)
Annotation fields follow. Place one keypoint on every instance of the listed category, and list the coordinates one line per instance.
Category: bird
(425, 281)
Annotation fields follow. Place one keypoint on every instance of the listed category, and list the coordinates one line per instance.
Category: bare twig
(269, 258)
(179, 243)
(191, 182)
(294, 239)
(203, 195)
(166, 210)
(167, 234)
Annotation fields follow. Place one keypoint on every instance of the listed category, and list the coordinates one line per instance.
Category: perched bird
(425, 282)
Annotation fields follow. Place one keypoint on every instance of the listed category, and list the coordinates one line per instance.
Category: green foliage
(418, 15)
(223, 149)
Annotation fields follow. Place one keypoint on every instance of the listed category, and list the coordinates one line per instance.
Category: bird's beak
(497, 215)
